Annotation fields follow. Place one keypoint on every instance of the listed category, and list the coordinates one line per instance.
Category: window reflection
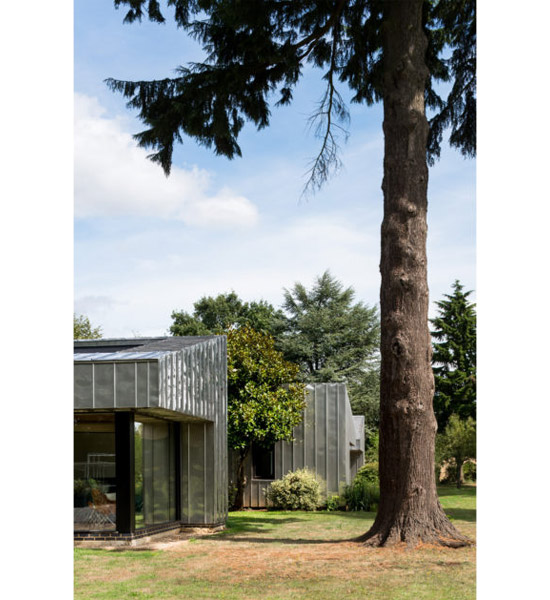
(155, 473)
(94, 473)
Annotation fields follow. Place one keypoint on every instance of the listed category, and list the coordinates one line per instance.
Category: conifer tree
(390, 51)
(454, 357)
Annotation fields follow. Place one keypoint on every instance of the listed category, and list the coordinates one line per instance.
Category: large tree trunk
(409, 509)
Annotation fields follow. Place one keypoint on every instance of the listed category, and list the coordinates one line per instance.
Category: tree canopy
(257, 50)
(454, 356)
(265, 400)
(216, 315)
(83, 329)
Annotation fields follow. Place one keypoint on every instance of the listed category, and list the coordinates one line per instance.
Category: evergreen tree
(454, 357)
(333, 338)
(390, 51)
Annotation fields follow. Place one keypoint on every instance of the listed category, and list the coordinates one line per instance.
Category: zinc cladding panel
(320, 430)
(104, 385)
(332, 451)
(197, 473)
(142, 385)
(125, 384)
(83, 385)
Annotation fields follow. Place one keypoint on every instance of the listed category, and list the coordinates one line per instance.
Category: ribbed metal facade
(326, 442)
(187, 385)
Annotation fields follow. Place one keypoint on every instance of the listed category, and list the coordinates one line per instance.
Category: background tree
(216, 315)
(457, 444)
(333, 338)
(454, 356)
(389, 51)
(265, 402)
(83, 329)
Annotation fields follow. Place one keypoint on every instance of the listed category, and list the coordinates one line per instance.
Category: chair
(103, 509)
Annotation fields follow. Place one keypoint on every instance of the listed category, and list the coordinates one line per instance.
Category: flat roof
(120, 348)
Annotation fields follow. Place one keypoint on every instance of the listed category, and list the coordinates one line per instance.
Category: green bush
(469, 471)
(362, 495)
(335, 503)
(369, 473)
(298, 490)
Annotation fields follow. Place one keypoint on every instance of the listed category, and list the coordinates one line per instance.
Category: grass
(283, 555)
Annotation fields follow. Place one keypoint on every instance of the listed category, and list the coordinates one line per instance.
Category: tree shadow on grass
(462, 514)
(267, 540)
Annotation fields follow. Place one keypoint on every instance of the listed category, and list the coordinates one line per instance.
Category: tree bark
(241, 482)
(409, 510)
(459, 466)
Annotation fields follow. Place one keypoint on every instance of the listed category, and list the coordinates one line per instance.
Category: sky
(145, 245)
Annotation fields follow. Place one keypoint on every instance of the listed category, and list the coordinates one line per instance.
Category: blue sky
(146, 245)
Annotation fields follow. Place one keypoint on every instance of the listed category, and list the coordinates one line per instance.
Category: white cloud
(113, 177)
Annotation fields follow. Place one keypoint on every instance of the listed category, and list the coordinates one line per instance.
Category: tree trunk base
(432, 529)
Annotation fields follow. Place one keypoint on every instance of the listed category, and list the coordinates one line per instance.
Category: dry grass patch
(283, 556)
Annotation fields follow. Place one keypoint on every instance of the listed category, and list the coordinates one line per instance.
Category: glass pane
(263, 462)
(155, 472)
(94, 472)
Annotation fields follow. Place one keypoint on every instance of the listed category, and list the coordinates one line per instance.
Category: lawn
(283, 555)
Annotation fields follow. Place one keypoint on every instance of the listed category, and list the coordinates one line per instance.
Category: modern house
(330, 441)
(150, 436)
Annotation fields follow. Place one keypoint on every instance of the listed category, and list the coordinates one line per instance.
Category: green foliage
(371, 448)
(454, 357)
(457, 444)
(369, 473)
(265, 402)
(470, 470)
(83, 329)
(333, 338)
(297, 490)
(335, 503)
(216, 315)
(362, 495)
(328, 335)
(257, 49)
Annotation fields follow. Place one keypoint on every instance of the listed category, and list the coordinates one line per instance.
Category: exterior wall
(187, 386)
(322, 443)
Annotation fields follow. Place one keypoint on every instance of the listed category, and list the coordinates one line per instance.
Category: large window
(155, 472)
(94, 472)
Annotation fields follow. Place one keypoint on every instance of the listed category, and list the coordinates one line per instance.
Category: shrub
(469, 470)
(297, 490)
(369, 472)
(335, 503)
(362, 495)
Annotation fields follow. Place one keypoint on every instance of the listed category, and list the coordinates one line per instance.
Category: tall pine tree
(390, 51)
(454, 357)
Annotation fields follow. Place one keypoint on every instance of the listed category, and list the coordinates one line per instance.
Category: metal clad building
(330, 441)
(153, 411)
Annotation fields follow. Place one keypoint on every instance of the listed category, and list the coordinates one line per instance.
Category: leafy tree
(333, 338)
(329, 336)
(265, 402)
(394, 52)
(83, 329)
(454, 356)
(216, 315)
(458, 443)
